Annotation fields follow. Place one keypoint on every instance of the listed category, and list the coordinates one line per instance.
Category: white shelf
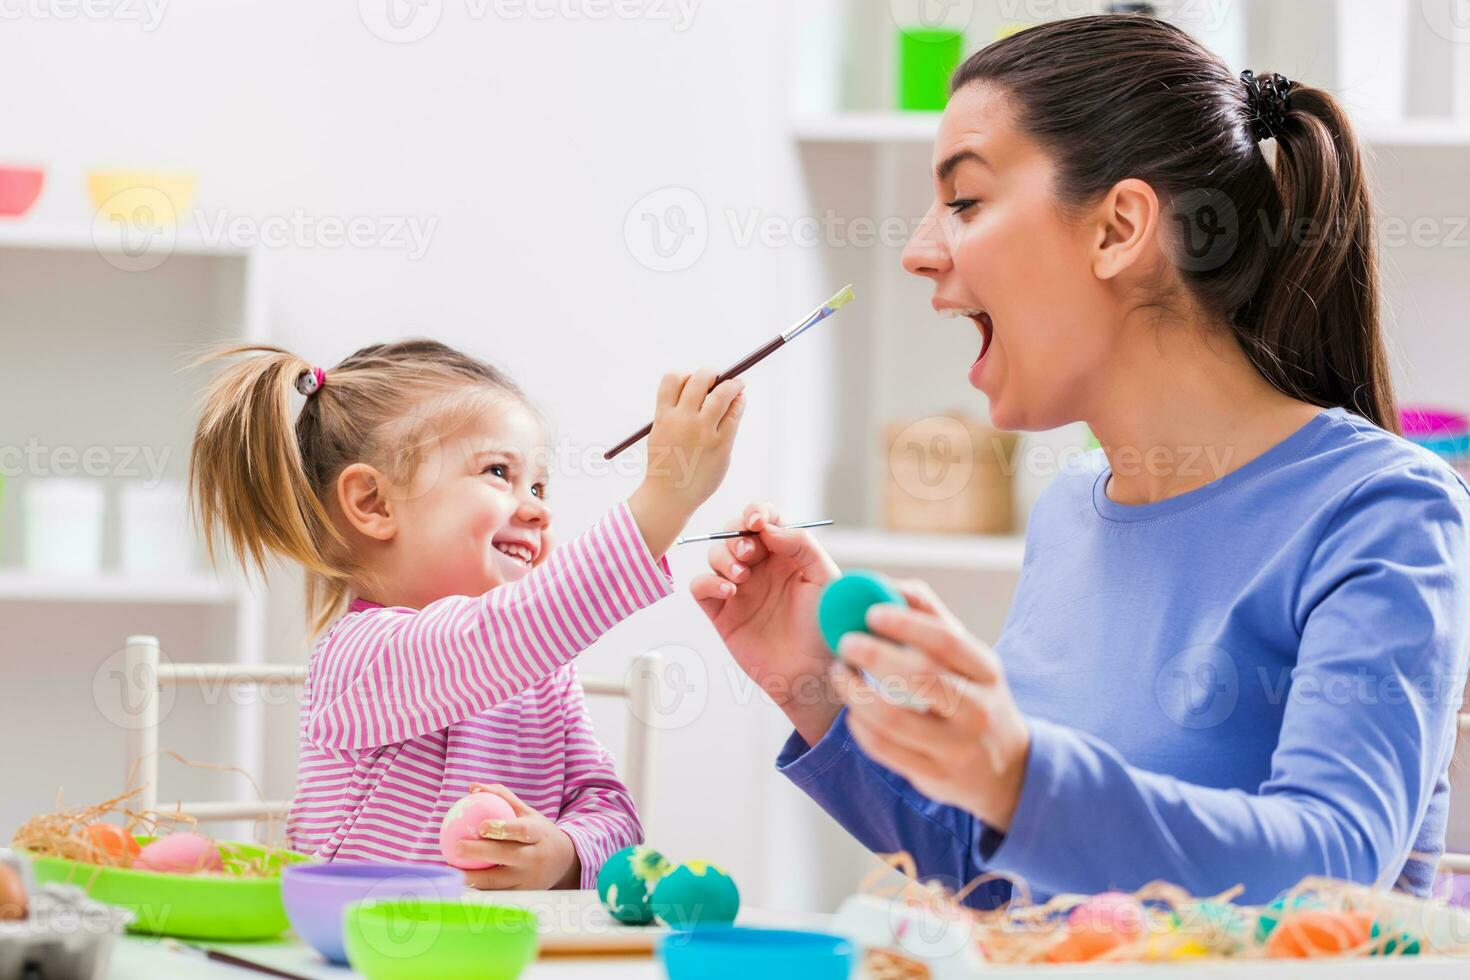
(114, 587)
(107, 237)
(925, 552)
(920, 127)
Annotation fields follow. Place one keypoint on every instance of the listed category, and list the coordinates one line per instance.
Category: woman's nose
(927, 254)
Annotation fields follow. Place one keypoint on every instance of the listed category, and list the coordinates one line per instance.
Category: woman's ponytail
(1312, 328)
(250, 488)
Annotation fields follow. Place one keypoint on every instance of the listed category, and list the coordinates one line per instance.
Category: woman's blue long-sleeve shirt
(1249, 683)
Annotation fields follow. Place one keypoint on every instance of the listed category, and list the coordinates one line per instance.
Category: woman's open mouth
(982, 322)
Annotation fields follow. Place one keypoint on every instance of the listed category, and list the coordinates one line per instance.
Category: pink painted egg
(183, 853)
(463, 821)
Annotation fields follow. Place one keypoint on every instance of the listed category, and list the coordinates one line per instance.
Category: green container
(414, 938)
(927, 57)
(224, 906)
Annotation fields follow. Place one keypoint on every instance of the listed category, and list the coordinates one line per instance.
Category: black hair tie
(1268, 100)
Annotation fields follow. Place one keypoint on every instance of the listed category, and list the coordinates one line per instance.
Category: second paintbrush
(723, 535)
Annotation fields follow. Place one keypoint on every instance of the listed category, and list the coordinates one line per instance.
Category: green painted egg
(626, 883)
(844, 604)
(1401, 944)
(695, 893)
(1271, 915)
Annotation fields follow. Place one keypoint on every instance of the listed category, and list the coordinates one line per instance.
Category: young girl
(412, 490)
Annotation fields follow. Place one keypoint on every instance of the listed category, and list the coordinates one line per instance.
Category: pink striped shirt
(404, 708)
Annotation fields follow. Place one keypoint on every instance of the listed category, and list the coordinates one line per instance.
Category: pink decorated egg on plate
(463, 821)
(183, 853)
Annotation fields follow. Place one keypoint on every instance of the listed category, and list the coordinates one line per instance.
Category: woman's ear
(1127, 223)
(365, 504)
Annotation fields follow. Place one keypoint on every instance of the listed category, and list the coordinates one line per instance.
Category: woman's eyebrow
(947, 166)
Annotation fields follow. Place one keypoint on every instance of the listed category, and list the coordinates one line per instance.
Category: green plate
(220, 906)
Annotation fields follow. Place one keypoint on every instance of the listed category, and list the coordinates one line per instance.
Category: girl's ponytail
(250, 489)
(1312, 328)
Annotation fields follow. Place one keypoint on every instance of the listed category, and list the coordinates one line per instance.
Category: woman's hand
(689, 450)
(762, 598)
(968, 748)
(533, 853)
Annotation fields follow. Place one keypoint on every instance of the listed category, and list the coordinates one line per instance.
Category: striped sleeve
(597, 811)
(389, 675)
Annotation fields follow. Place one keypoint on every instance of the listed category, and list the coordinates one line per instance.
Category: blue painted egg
(695, 893)
(626, 882)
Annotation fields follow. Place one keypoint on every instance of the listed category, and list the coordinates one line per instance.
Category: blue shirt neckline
(1283, 452)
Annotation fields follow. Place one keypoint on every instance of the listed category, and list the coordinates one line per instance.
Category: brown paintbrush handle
(744, 364)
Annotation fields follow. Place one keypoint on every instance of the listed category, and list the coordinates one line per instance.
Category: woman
(1239, 639)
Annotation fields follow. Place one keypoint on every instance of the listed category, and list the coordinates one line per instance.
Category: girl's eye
(539, 490)
(498, 470)
(961, 204)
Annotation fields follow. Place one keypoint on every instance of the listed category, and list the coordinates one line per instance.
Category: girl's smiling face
(473, 515)
(1000, 251)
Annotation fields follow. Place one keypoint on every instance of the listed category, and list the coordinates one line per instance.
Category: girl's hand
(688, 452)
(762, 598)
(533, 853)
(969, 747)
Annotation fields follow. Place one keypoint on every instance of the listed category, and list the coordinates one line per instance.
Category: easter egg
(1318, 932)
(462, 823)
(112, 840)
(1109, 912)
(1081, 945)
(1271, 914)
(182, 853)
(12, 895)
(1400, 942)
(695, 893)
(626, 882)
(844, 604)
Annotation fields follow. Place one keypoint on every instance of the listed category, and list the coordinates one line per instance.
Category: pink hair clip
(311, 381)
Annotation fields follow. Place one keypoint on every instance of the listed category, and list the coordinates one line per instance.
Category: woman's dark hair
(1286, 258)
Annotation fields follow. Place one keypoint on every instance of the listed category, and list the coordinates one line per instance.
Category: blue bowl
(316, 895)
(739, 953)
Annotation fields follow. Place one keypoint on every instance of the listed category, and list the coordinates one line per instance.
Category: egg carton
(66, 936)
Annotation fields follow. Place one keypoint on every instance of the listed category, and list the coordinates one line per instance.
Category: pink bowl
(19, 188)
(1422, 421)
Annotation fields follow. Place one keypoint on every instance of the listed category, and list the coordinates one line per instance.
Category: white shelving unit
(99, 331)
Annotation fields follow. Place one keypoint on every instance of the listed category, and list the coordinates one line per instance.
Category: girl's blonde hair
(261, 484)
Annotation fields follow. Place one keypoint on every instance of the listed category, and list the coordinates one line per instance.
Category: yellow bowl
(141, 197)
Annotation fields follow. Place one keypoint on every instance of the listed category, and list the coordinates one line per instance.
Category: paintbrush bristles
(843, 297)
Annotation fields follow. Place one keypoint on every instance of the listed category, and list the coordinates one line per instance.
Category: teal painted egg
(1401, 943)
(695, 893)
(844, 605)
(1271, 915)
(626, 883)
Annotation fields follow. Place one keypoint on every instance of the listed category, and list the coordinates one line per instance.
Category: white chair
(147, 676)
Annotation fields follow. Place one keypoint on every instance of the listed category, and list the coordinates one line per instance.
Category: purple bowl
(316, 895)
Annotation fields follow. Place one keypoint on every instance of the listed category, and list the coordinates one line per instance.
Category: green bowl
(224, 906)
(413, 938)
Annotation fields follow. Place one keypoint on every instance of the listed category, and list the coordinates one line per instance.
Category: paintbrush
(722, 535)
(837, 302)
